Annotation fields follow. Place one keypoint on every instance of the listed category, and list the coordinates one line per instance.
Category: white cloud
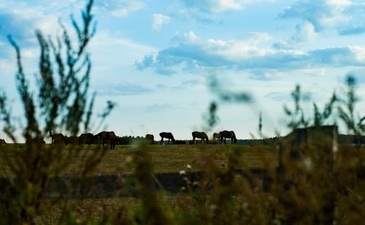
(304, 32)
(359, 53)
(226, 5)
(191, 37)
(21, 19)
(186, 38)
(240, 49)
(322, 14)
(158, 20)
(217, 6)
(250, 54)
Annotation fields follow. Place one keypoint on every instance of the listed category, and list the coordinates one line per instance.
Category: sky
(156, 59)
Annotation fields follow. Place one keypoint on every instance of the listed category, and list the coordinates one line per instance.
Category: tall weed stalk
(61, 104)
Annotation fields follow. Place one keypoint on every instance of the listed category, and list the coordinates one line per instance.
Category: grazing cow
(201, 135)
(228, 135)
(150, 138)
(58, 139)
(217, 138)
(36, 140)
(86, 138)
(106, 138)
(167, 135)
(72, 140)
(2, 141)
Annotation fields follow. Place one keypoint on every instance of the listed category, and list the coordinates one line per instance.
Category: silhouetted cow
(217, 138)
(58, 139)
(150, 138)
(106, 138)
(36, 140)
(72, 140)
(167, 135)
(201, 135)
(228, 135)
(86, 138)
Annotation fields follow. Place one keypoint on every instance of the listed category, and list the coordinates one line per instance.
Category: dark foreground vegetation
(310, 176)
(191, 182)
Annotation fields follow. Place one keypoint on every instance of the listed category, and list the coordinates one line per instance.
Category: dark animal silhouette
(217, 138)
(119, 140)
(86, 138)
(72, 140)
(228, 135)
(150, 138)
(36, 140)
(2, 141)
(201, 135)
(167, 135)
(106, 138)
(58, 139)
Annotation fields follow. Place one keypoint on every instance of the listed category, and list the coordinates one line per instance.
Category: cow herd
(108, 139)
(202, 137)
(104, 138)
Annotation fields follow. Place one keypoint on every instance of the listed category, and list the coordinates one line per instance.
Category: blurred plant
(228, 96)
(320, 118)
(151, 210)
(5, 114)
(297, 116)
(346, 108)
(211, 118)
(62, 105)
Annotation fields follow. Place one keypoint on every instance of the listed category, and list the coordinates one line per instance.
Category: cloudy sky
(156, 58)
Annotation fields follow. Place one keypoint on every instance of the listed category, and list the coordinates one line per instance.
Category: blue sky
(155, 59)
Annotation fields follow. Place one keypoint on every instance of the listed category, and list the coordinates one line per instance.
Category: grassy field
(239, 199)
(165, 158)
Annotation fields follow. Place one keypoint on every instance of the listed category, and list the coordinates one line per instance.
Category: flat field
(164, 158)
